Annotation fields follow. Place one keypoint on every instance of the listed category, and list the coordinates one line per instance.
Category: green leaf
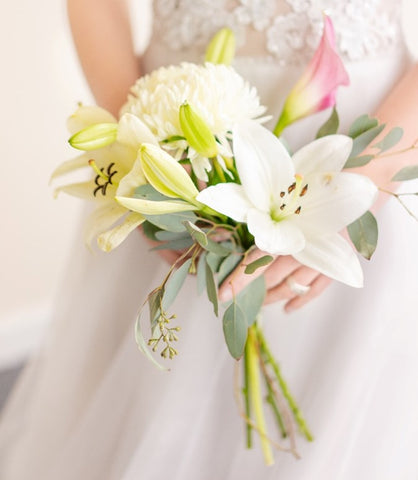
(142, 345)
(201, 273)
(330, 126)
(235, 330)
(179, 244)
(358, 161)
(363, 140)
(198, 234)
(228, 266)
(148, 192)
(174, 284)
(154, 302)
(390, 140)
(150, 230)
(364, 233)
(362, 124)
(407, 173)
(251, 299)
(214, 261)
(166, 236)
(172, 222)
(260, 262)
(221, 249)
(211, 289)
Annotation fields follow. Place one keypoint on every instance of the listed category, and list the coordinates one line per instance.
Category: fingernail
(225, 294)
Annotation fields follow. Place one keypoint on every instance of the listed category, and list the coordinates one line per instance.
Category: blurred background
(41, 84)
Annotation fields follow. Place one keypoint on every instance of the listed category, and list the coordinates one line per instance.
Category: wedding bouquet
(190, 161)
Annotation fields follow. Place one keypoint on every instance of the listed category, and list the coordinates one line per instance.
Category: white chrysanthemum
(219, 94)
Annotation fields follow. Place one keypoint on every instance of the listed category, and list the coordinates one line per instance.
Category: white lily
(116, 172)
(296, 206)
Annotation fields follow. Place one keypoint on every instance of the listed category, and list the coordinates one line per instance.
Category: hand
(278, 275)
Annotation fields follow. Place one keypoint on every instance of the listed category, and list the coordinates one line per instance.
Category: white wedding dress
(91, 406)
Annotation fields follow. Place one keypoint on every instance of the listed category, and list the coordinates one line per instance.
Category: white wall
(40, 85)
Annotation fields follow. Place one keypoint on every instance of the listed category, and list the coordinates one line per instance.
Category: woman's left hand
(286, 279)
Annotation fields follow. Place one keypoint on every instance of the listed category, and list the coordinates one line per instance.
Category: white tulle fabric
(91, 407)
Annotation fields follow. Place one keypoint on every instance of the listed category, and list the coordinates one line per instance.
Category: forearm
(102, 37)
(400, 109)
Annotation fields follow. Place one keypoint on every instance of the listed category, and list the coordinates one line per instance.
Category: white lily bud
(95, 136)
(221, 48)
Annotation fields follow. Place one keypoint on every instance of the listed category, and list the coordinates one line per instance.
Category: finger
(303, 276)
(238, 280)
(317, 287)
(281, 268)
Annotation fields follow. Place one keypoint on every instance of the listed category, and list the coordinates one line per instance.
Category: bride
(92, 407)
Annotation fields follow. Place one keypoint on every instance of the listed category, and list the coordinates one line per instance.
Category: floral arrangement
(190, 161)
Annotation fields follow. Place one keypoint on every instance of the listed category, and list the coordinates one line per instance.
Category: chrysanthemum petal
(109, 240)
(263, 163)
(228, 199)
(333, 201)
(277, 238)
(334, 257)
(327, 154)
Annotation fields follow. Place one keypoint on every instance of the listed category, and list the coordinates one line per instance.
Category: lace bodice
(286, 31)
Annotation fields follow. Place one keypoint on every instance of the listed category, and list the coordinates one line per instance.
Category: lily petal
(333, 201)
(150, 207)
(277, 238)
(133, 132)
(129, 183)
(263, 163)
(334, 257)
(109, 240)
(227, 198)
(326, 154)
(101, 220)
(87, 115)
(71, 165)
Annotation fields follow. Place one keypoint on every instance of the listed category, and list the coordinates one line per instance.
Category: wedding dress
(91, 406)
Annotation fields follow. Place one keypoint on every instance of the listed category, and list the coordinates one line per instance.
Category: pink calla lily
(317, 87)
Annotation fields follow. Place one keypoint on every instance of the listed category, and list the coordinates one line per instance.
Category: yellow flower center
(289, 203)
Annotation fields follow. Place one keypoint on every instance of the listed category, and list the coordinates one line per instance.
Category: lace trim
(288, 31)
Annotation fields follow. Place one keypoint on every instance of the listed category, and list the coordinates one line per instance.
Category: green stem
(272, 402)
(301, 422)
(219, 170)
(255, 394)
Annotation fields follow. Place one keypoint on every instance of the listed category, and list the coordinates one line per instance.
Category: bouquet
(190, 161)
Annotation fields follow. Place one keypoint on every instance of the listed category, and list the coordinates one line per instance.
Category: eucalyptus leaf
(362, 124)
(214, 261)
(390, 140)
(172, 222)
(235, 330)
(211, 289)
(174, 284)
(407, 173)
(150, 230)
(179, 244)
(198, 234)
(154, 304)
(201, 273)
(364, 234)
(362, 141)
(228, 266)
(251, 299)
(148, 192)
(166, 236)
(358, 161)
(142, 345)
(221, 249)
(330, 126)
(260, 262)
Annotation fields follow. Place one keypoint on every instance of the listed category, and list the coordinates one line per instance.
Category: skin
(100, 49)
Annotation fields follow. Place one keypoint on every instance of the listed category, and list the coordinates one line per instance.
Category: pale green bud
(95, 136)
(221, 48)
(197, 132)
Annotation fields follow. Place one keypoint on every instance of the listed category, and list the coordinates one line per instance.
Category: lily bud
(317, 87)
(221, 48)
(166, 175)
(197, 132)
(95, 136)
